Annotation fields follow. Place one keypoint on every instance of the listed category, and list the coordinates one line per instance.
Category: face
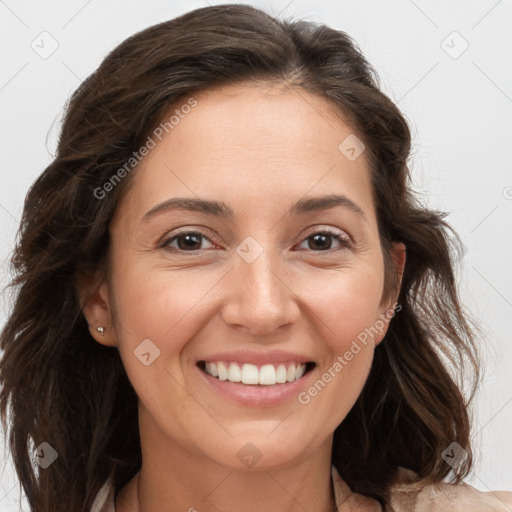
(267, 285)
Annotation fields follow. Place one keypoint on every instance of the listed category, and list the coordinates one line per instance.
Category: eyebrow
(220, 209)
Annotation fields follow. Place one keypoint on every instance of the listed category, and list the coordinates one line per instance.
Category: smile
(251, 374)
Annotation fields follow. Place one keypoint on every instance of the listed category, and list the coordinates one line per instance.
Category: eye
(322, 240)
(188, 241)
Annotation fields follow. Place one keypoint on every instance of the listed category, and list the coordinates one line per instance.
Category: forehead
(250, 142)
(287, 122)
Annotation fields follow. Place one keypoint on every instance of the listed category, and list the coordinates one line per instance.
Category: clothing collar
(346, 500)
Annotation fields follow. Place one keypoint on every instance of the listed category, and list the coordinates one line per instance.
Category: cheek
(346, 312)
(347, 303)
(152, 304)
(346, 308)
(163, 307)
(168, 306)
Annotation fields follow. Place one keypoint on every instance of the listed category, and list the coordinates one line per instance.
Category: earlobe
(96, 309)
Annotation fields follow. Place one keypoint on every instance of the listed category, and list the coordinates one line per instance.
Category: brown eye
(323, 240)
(189, 241)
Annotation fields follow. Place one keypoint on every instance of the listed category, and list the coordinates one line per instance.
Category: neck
(197, 483)
(266, 491)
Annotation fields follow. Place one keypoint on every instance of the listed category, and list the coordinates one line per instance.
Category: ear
(388, 308)
(399, 255)
(95, 304)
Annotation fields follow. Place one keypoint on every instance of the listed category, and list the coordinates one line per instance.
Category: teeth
(299, 371)
(281, 374)
(234, 373)
(267, 375)
(249, 374)
(222, 370)
(211, 368)
(290, 374)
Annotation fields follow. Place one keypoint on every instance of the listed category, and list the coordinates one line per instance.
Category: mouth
(256, 375)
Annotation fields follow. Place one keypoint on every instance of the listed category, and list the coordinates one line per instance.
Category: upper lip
(251, 357)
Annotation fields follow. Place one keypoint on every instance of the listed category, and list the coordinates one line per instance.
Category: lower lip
(255, 394)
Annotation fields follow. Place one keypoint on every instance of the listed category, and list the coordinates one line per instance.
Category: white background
(459, 109)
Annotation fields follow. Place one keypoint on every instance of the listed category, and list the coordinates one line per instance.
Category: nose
(260, 299)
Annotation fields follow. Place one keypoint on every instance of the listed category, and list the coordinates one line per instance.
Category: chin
(261, 453)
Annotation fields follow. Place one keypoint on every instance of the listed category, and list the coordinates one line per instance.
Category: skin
(259, 149)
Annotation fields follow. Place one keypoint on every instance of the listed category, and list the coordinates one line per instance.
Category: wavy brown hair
(60, 386)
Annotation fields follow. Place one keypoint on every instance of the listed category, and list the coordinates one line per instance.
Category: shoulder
(445, 496)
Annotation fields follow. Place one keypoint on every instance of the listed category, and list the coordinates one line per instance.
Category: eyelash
(344, 241)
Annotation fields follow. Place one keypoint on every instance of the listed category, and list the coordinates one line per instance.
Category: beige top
(433, 498)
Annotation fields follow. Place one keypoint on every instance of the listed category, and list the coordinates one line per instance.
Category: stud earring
(101, 330)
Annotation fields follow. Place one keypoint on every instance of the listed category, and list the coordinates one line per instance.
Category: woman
(228, 297)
